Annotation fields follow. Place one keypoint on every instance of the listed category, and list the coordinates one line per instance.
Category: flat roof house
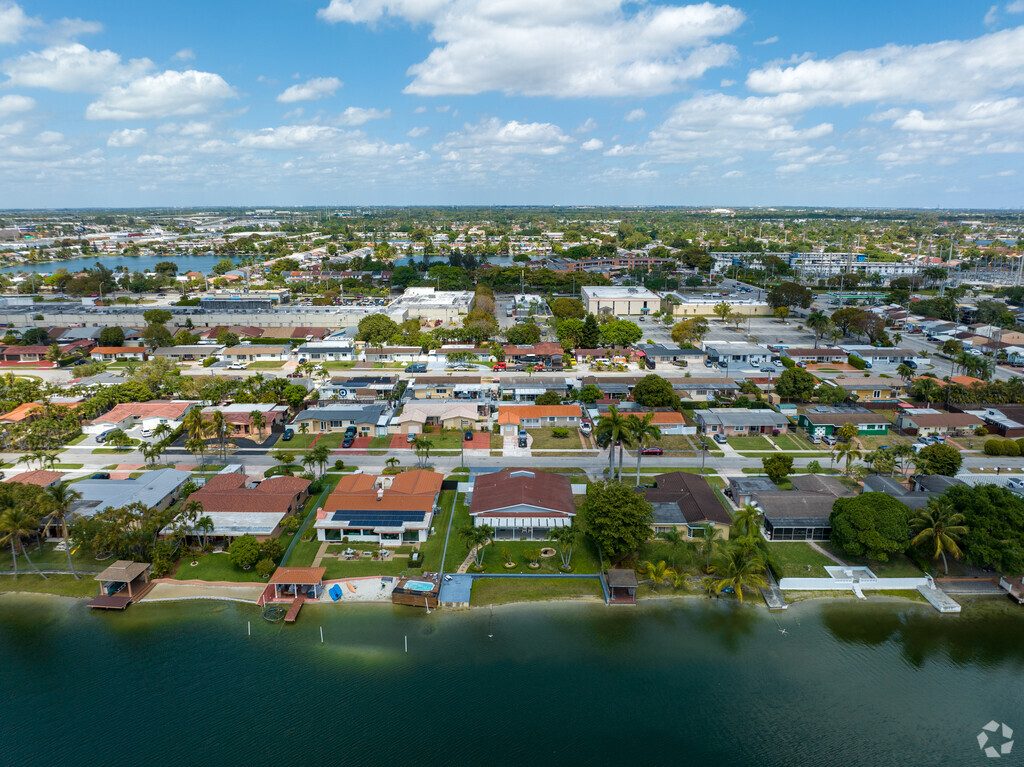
(915, 499)
(739, 422)
(522, 504)
(393, 353)
(156, 489)
(685, 501)
(815, 355)
(619, 300)
(359, 387)
(326, 352)
(256, 353)
(389, 511)
(189, 353)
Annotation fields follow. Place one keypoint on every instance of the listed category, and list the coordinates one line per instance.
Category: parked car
(351, 431)
(416, 367)
(709, 363)
(651, 451)
(410, 438)
(102, 436)
(468, 435)
(101, 475)
(911, 364)
(814, 439)
(498, 366)
(523, 438)
(926, 440)
(723, 364)
(828, 439)
(586, 428)
(347, 442)
(801, 364)
(720, 439)
(768, 369)
(146, 433)
(237, 366)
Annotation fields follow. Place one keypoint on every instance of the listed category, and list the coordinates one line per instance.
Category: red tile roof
(39, 477)
(228, 493)
(492, 493)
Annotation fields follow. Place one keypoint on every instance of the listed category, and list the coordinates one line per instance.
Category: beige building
(620, 301)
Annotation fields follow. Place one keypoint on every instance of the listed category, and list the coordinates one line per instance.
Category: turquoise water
(702, 683)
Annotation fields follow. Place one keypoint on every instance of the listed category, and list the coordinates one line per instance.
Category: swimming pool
(419, 586)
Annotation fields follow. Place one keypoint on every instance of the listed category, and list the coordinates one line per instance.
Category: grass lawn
(68, 466)
(304, 553)
(500, 591)
(265, 365)
(668, 470)
(898, 566)
(544, 439)
(215, 567)
(457, 550)
(346, 365)
(331, 441)
(76, 440)
(584, 558)
(431, 549)
(794, 442)
(112, 450)
(674, 442)
(380, 443)
(873, 442)
(65, 585)
(49, 558)
(792, 558)
(750, 443)
(446, 441)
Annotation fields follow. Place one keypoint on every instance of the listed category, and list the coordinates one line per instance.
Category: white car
(237, 366)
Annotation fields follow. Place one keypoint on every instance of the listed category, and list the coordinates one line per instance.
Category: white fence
(846, 584)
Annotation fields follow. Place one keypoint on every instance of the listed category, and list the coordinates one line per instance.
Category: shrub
(1020, 445)
(560, 432)
(1010, 448)
(287, 470)
(428, 429)
(209, 361)
(993, 447)
(339, 465)
(788, 363)
(271, 548)
(981, 431)
(290, 524)
(857, 362)
(265, 567)
(244, 551)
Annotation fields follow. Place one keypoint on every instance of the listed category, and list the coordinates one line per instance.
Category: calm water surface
(701, 683)
(202, 264)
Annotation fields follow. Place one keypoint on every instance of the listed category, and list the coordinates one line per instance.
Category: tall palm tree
(676, 541)
(747, 519)
(818, 322)
(219, 428)
(62, 495)
(197, 446)
(161, 430)
(194, 423)
(17, 522)
(740, 569)
(392, 462)
(642, 431)
(848, 452)
(904, 371)
(421, 446)
(566, 538)
(477, 537)
(614, 425)
(205, 523)
(929, 390)
(709, 545)
(940, 527)
(258, 421)
(304, 428)
(656, 572)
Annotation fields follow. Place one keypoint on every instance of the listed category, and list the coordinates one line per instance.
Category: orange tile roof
(39, 477)
(300, 575)
(172, 410)
(118, 349)
(409, 491)
(21, 412)
(672, 417)
(517, 413)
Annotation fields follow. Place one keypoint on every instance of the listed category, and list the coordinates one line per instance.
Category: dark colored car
(351, 431)
(417, 367)
(288, 434)
(468, 435)
(349, 439)
(101, 475)
(652, 451)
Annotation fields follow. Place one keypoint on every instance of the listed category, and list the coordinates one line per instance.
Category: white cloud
(355, 116)
(635, 116)
(1001, 114)
(571, 48)
(992, 62)
(185, 54)
(127, 137)
(496, 138)
(768, 41)
(420, 130)
(13, 22)
(311, 90)
(733, 174)
(12, 103)
(1017, 6)
(419, 110)
(63, 30)
(72, 68)
(592, 145)
(167, 94)
(588, 125)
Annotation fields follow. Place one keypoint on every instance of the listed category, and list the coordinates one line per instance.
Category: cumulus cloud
(13, 22)
(311, 90)
(167, 94)
(72, 68)
(419, 130)
(635, 116)
(127, 137)
(592, 145)
(571, 48)
(1017, 6)
(12, 103)
(354, 116)
(733, 174)
(185, 54)
(768, 40)
(495, 137)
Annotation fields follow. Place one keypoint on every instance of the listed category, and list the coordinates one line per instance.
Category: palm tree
(161, 430)
(304, 428)
(320, 454)
(421, 445)
(709, 544)
(205, 523)
(904, 371)
(818, 322)
(675, 539)
(477, 537)
(847, 451)
(747, 519)
(18, 522)
(641, 431)
(566, 538)
(656, 572)
(392, 462)
(219, 427)
(927, 389)
(62, 495)
(614, 425)
(940, 526)
(194, 423)
(740, 569)
(197, 446)
(258, 421)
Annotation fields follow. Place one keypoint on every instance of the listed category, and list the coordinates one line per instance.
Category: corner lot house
(687, 502)
(521, 504)
(387, 511)
(740, 422)
(513, 417)
(823, 421)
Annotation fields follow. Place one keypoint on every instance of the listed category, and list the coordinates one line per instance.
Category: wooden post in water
(321, 635)
(407, 643)
(250, 627)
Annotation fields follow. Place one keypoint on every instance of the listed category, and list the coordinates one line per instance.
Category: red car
(652, 451)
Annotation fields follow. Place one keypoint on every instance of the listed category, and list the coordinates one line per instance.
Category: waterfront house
(155, 489)
(800, 514)
(686, 502)
(914, 498)
(522, 504)
(384, 510)
(239, 505)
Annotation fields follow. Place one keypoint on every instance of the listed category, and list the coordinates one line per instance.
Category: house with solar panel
(385, 510)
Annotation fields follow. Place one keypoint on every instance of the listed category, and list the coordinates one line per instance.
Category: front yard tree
(112, 337)
(940, 459)
(846, 432)
(642, 430)
(872, 525)
(777, 467)
(244, 551)
(653, 391)
(614, 426)
(691, 331)
(477, 537)
(617, 517)
(591, 335)
(939, 529)
(795, 383)
(523, 335)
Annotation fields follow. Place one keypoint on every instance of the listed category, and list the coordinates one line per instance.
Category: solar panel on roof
(363, 518)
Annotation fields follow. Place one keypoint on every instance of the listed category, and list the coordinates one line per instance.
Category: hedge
(857, 362)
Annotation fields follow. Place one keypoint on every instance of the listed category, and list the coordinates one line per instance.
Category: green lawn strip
(301, 553)
(584, 558)
(215, 567)
(457, 550)
(345, 365)
(792, 558)
(750, 443)
(112, 450)
(380, 443)
(446, 441)
(76, 440)
(50, 559)
(304, 553)
(265, 365)
(64, 585)
(668, 469)
(500, 591)
(432, 548)
(674, 442)
(766, 453)
(898, 566)
(68, 466)
(544, 439)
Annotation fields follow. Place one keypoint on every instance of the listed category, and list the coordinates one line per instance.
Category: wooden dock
(293, 611)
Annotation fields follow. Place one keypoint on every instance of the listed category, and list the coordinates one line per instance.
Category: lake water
(202, 263)
(699, 682)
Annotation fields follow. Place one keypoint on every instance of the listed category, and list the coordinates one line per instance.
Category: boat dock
(938, 598)
(293, 611)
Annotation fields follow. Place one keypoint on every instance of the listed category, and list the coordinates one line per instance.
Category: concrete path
(820, 550)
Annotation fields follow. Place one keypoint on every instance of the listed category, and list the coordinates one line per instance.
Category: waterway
(199, 263)
(700, 682)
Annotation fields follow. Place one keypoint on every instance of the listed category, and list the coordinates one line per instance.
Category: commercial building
(619, 301)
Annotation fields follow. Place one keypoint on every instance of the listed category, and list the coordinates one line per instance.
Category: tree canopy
(795, 383)
(940, 459)
(565, 308)
(112, 336)
(995, 520)
(653, 391)
(872, 525)
(523, 335)
(377, 329)
(789, 294)
(620, 333)
(618, 518)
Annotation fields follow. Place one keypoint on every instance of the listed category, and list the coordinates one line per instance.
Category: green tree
(377, 329)
(747, 519)
(591, 335)
(641, 431)
(994, 517)
(61, 496)
(564, 538)
(940, 528)
(843, 319)
(614, 426)
(549, 398)
(258, 422)
(790, 295)
(847, 452)
(781, 313)
(477, 537)
(244, 551)
(620, 333)
(590, 393)
(795, 383)
(709, 545)
(657, 573)
(617, 518)
(676, 540)
(846, 432)
(112, 336)
(226, 338)
(526, 334)
(777, 467)
(564, 308)
(690, 331)
(740, 570)
(16, 523)
(653, 391)
(157, 316)
(818, 322)
(872, 525)
(722, 310)
(940, 459)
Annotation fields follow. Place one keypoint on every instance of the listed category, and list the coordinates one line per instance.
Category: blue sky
(344, 102)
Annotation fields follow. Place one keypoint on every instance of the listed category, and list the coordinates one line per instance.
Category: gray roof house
(155, 489)
(369, 420)
(740, 421)
(928, 487)
(801, 514)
